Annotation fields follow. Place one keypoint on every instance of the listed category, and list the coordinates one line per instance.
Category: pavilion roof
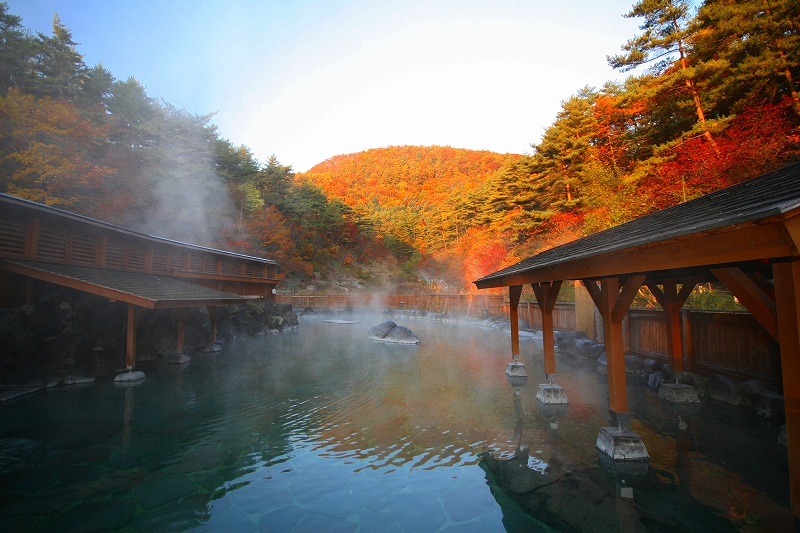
(677, 237)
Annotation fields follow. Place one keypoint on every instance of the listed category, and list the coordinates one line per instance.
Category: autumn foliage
(715, 102)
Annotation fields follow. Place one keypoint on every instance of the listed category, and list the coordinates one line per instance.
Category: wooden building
(38, 242)
(746, 236)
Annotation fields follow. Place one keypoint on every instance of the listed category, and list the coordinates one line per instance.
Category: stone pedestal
(178, 358)
(551, 393)
(129, 377)
(516, 369)
(621, 444)
(678, 393)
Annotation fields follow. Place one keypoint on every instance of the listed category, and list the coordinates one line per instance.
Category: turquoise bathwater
(320, 430)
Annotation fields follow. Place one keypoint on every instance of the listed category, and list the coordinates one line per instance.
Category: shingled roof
(770, 195)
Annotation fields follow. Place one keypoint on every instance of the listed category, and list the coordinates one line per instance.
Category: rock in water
(380, 331)
(391, 332)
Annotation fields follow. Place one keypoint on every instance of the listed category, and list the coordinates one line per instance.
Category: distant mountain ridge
(413, 193)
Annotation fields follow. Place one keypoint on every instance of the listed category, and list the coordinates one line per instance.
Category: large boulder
(391, 332)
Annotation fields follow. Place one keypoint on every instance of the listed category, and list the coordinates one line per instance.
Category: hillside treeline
(713, 100)
(77, 138)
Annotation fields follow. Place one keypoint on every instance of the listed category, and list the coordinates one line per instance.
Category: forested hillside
(716, 103)
(713, 101)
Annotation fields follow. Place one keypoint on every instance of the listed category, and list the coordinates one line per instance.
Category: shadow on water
(320, 429)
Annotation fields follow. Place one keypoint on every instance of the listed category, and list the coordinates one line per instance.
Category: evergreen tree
(60, 69)
(757, 45)
(16, 51)
(669, 28)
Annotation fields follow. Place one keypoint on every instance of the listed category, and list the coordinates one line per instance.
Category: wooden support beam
(614, 302)
(629, 292)
(671, 301)
(514, 293)
(181, 327)
(615, 350)
(751, 296)
(546, 296)
(130, 337)
(212, 313)
(787, 296)
(735, 244)
(594, 291)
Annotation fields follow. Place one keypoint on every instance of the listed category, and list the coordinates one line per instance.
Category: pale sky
(307, 80)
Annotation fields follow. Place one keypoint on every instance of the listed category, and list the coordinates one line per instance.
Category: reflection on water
(320, 429)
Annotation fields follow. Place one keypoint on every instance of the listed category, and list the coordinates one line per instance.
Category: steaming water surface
(320, 429)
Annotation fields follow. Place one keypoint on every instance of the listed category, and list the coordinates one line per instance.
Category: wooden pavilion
(39, 242)
(746, 236)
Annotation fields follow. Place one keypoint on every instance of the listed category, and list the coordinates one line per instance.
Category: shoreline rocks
(71, 338)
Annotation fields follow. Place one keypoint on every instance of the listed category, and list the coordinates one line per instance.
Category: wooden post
(212, 314)
(181, 326)
(130, 337)
(546, 296)
(514, 292)
(673, 321)
(615, 351)
(671, 300)
(613, 305)
(688, 348)
(787, 302)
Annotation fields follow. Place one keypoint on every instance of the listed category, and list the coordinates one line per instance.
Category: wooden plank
(751, 296)
(220, 277)
(745, 242)
(32, 248)
(101, 253)
(787, 287)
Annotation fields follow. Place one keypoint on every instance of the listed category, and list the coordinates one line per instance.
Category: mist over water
(189, 202)
(321, 429)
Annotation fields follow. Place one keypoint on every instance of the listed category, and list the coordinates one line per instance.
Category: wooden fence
(731, 343)
(474, 305)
